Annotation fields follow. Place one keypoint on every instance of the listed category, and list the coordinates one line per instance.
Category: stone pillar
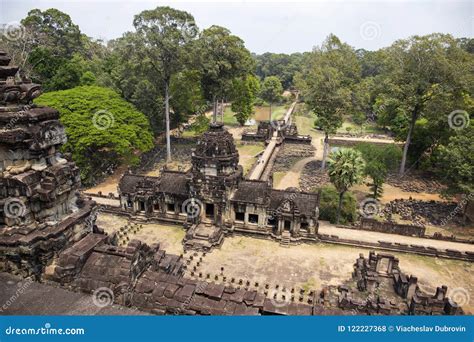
(296, 225)
(412, 284)
(280, 225)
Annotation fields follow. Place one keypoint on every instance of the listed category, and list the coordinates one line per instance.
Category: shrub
(103, 129)
(329, 202)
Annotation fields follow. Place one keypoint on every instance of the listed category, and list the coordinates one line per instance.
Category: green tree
(327, 85)
(271, 91)
(245, 91)
(281, 65)
(187, 94)
(103, 130)
(52, 50)
(126, 71)
(420, 71)
(165, 34)
(379, 160)
(329, 203)
(222, 58)
(346, 169)
(456, 165)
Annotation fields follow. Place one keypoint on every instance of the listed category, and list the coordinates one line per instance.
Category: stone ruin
(382, 288)
(213, 199)
(148, 279)
(40, 209)
(47, 229)
(287, 132)
(390, 227)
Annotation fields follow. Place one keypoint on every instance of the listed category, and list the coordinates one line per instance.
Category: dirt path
(366, 139)
(362, 235)
(391, 193)
(292, 177)
(110, 184)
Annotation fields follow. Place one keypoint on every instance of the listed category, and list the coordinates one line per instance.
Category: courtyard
(266, 266)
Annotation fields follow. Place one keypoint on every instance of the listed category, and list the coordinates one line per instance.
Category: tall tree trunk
(222, 110)
(214, 109)
(325, 150)
(339, 206)
(376, 188)
(270, 118)
(414, 116)
(167, 118)
(464, 211)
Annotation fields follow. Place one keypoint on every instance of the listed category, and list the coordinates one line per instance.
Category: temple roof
(305, 202)
(171, 182)
(216, 142)
(259, 192)
(252, 191)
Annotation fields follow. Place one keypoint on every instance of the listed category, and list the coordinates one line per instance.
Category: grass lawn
(247, 153)
(189, 134)
(277, 177)
(353, 128)
(305, 124)
(261, 113)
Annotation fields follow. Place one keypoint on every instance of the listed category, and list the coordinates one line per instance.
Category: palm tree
(346, 169)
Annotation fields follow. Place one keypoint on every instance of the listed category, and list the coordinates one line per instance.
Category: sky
(274, 26)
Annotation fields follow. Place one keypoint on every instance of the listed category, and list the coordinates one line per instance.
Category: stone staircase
(285, 239)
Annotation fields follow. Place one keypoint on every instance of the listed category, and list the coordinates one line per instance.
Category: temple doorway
(210, 211)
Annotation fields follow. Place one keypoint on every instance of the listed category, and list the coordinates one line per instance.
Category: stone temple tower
(40, 210)
(215, 173)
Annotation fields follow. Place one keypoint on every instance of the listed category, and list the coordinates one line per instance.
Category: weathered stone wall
(150, 279)
(391, 227)
(289, 154)
(400, 247)
(28, 252)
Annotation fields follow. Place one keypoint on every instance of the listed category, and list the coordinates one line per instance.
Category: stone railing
(390, 227)
(401, 247)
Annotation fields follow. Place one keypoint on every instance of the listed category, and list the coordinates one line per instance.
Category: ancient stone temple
(40, 210)
(213, 198)
(288, 132)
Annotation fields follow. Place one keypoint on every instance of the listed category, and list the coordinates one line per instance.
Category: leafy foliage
(244, 95)
(329, 204)
(280, 65)
(346, 169)
(271, 89)
(98, 146)
(164, 37)
(53, 51)
(379, 160)
(456, 162)
(222, 58)
(425, 77)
